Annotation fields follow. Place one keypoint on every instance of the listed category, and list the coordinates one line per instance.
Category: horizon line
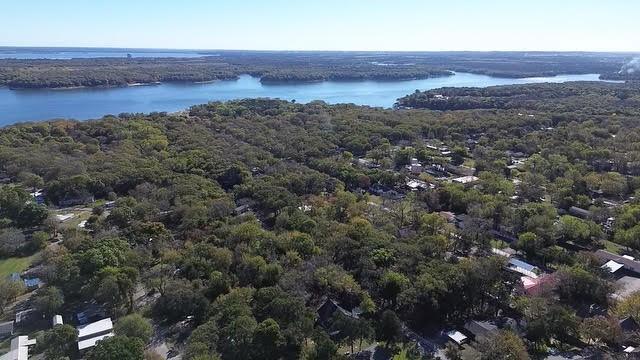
(311, 50)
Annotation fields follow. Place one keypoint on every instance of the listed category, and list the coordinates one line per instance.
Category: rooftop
(612, 266)
(19, 348)
(466, 179)
(628, 262)
(457, 336)
(95, 328)
(91, 342)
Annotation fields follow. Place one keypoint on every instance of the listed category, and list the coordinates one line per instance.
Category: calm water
(31, 105)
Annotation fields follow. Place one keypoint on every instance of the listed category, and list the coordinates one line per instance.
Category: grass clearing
(612, 247)
(15, 264)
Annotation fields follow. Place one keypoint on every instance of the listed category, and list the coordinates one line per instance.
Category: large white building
(90, 334)
(19, 348)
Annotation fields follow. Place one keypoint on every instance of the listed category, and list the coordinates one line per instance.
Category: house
(26, 316)
(64, 217)
(243, 209)
(460, 170)
(415, 168)
(392, 195)
(90, 334)
(414, 185)
(506, 252)
(243, 206)
(579, 212)
(457, 337)
(523, 268)
(329, 309)
(32, 284)
(38, 196)
(534, 286)
(466, 180)
(504, 235)
(480, 329)
(19, 348)
(367, 163)
(461, 220)
(6, 329)
(76, 200)
(629, 264)
(628, 325)
(437, 170)
(90, 313)
(448, 215)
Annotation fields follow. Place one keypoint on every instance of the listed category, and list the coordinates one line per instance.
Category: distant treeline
(303, 67)
(569, 97)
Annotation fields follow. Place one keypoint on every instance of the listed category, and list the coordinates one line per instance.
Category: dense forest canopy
(266, 229)
(306, 66)
(584, 97)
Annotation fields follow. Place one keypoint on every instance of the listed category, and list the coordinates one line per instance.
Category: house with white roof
(457, 337)
(466, 180)
(90, 334)
(19, 348)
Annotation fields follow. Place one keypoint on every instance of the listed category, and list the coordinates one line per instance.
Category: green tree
(49, 300)
(389, 328)
(236, 338)
(503, 346)
(629, 306)
(324, 348)
(601, 329)
(12, 241)
(117, 347)
(392, 284)
(59, 342)
(578, 285)
(268, 340)
(571, 228)
(134, 326)
(9, 291)
(529, 243)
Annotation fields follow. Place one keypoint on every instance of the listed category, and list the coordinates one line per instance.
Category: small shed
(457, 337)
(32, 284)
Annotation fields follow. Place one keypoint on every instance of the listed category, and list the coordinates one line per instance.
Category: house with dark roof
(329, 310)
(629, 264)
(90, 312)
(480, 329)
(330, 307)
(629, 325)
(579, 212)
(6, 329)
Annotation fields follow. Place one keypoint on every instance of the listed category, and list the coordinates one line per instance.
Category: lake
(89, 103)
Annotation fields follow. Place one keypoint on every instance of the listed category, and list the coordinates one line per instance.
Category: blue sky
(593, 25)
